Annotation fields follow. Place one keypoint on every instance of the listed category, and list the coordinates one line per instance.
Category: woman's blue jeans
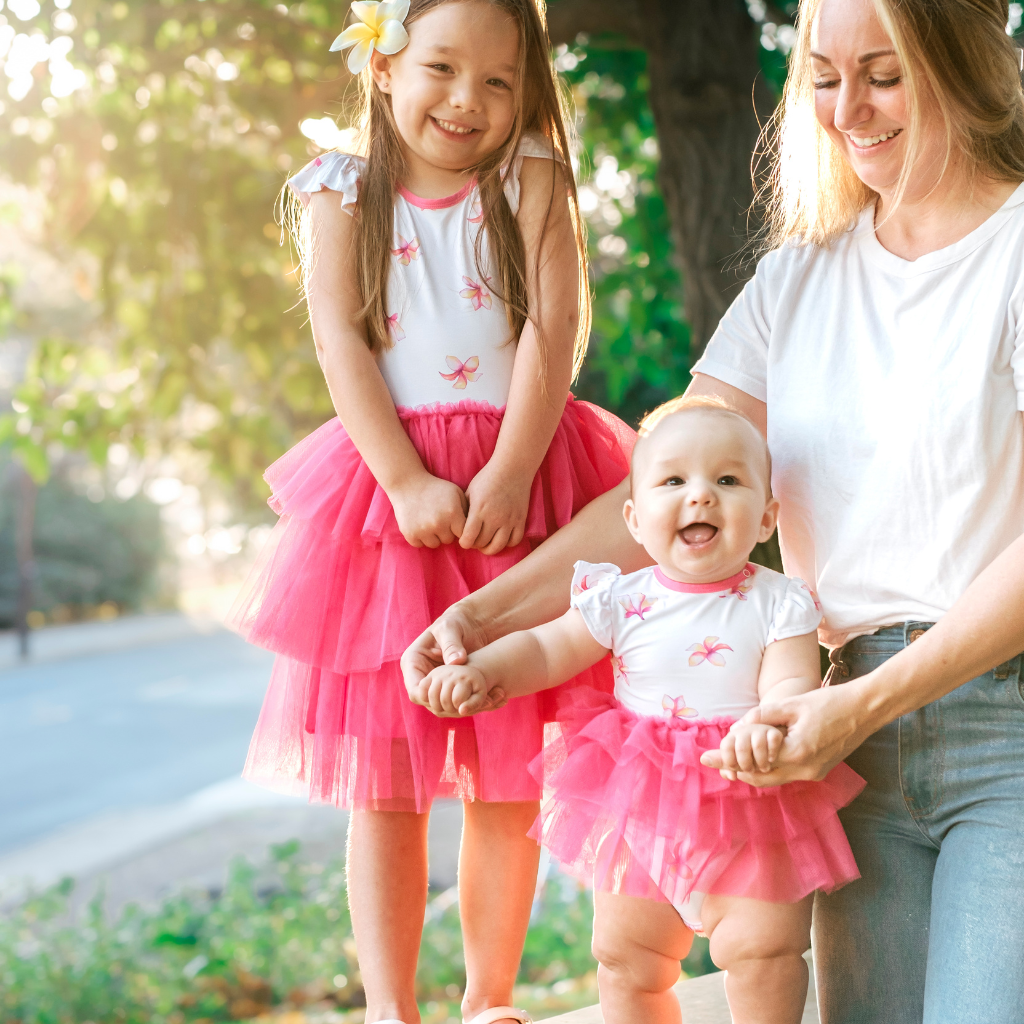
(933, 931)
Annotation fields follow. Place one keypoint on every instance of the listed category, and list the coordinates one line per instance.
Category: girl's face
(700, 496)
(452, 87)
(860, 99)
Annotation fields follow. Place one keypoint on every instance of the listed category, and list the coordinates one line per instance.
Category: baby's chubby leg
(638, 944)
(761, 945)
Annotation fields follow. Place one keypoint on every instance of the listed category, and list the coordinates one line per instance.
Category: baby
(696, 641)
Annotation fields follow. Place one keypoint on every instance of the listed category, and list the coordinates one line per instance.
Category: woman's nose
(852, 108)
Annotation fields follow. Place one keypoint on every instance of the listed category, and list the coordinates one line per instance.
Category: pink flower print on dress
(406, 251)
(476, 293)
(676, 707)
(318, 162)
(814, 596)
(395, 327)
(578, 588)
(740, 589)
(476, 211)
(709, 651)
(637, 604)
(619, 670)
(462, 372)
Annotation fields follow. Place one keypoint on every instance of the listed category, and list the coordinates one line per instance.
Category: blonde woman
(881, 347)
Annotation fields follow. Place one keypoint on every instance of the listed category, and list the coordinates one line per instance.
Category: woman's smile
(865, 142)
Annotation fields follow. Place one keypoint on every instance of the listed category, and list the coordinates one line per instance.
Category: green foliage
(639, 352)
(262, 942)
(86, 553)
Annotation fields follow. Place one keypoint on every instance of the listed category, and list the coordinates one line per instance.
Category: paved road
(150, 724)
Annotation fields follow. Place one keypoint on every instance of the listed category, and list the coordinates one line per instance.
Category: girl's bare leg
(638, 944)
(497, 880)
(387, 894)
(761, 945)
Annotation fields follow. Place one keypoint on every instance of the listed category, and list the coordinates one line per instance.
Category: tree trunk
(705, 82)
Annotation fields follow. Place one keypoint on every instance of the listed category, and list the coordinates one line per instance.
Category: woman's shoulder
(333, 171)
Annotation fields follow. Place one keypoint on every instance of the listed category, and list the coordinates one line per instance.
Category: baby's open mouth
(698, 533)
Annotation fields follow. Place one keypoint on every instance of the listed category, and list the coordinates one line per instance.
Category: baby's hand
(750, 746)
(454, 691)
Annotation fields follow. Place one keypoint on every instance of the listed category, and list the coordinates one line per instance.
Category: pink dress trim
(706, 588)
(436, 204)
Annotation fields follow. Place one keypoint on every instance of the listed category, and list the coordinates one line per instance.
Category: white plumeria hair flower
(379, 27)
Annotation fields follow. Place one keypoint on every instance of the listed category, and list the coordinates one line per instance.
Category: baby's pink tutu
(630, 801)
(339, 594)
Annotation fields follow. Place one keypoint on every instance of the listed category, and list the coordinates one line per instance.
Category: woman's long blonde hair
(540, 107)
(956, 50)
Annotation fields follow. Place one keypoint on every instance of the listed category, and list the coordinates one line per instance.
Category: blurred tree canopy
(160, 134)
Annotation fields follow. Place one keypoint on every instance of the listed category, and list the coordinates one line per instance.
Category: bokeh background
(154, 359)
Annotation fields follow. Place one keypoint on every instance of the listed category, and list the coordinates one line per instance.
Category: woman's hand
(498, 503)
(822, 727)
(449, 641)
(430, 511)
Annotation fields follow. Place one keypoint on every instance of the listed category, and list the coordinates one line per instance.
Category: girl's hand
(498, 503)
(430, 511)
(454, 691)
(750, 746)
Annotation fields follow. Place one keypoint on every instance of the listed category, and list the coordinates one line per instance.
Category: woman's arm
(430, 511)
(517, 664)
(499, 494)
(537, 588)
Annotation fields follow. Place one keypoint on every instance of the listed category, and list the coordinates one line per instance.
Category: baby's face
(700, 496)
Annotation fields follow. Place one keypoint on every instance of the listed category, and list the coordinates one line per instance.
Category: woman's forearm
(537, 589)
(982, 630)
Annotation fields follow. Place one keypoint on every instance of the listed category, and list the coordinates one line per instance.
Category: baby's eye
(674, 481)
(727, 481)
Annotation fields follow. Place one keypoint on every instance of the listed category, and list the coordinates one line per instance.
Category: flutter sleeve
(337, 172)
(797, 613)
(591, 595)
(531, 144)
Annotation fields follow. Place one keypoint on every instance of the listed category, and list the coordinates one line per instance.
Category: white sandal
(501, 1013)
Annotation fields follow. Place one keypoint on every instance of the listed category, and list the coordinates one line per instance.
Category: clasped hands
(489, 515)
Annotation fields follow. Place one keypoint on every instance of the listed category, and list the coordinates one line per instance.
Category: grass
(265, 947)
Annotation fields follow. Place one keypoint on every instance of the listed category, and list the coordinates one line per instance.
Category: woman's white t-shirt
(894, 392)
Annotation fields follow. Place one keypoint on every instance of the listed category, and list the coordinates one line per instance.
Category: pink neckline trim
(436, 204)
(706, 588)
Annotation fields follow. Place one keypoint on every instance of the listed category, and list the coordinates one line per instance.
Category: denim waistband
(888, 641)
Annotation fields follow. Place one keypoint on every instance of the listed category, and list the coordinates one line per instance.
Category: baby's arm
(430, 511)
(517, 664)
(788, 667)
(499, 494)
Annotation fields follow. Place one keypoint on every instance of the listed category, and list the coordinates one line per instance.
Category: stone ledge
(702, 1001)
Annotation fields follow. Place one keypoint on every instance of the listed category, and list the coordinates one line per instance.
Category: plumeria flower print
(379, 27)
(396, 328)
(406, 251)
(619, 670)
(814, 596)
(476, 211)
(584, 584)
(462, 372)
(676, 707)
(739, 589)
(637, 604)
(476, 293)
(709, 651)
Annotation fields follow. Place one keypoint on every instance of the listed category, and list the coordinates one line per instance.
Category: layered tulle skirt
(339, 594)
(630, 805)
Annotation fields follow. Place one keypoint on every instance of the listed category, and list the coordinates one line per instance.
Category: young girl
(696, 641)
(446, 284)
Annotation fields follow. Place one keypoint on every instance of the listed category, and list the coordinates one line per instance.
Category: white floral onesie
(434, 279)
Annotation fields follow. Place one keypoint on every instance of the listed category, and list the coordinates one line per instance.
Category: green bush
(86, 553)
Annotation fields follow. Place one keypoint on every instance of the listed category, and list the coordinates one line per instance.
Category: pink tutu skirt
(629, 804)
(339, 594)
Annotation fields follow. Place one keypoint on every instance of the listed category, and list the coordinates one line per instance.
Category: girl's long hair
(955, 50)
(541, 107)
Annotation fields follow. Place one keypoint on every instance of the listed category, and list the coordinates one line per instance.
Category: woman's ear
(380, 68)
(629, 514)
(768, 520)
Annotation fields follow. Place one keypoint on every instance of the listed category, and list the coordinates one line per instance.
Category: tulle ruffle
(339, 594)
(630, 802)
